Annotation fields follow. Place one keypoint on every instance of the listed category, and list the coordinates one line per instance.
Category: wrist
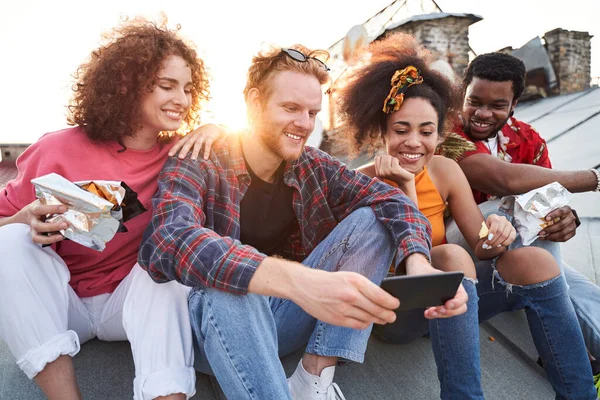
(407, 186)
(418, 264)
(577, 220)
(402, 181)
(597, 176)
(275, 277)
(20, 217)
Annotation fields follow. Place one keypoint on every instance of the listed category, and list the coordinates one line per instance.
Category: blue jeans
(455, 344)
(584, 294)
(552, 322)
(239, 338)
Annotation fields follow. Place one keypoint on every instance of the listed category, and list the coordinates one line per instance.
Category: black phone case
(422, 291)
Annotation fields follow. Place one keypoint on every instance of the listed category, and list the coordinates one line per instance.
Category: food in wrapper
(96, 210)
(484, 231)
(530, 209)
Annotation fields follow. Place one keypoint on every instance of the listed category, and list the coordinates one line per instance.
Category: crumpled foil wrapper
(530, 209)
(92, 219)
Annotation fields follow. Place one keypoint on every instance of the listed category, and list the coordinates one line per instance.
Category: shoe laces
(596, 383)
(334, 392)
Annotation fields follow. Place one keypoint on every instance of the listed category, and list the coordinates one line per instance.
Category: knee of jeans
(470, 286)
(527, 268)
(452, 258)
(364, 219)
(230, 304)
(211, 308)
(362, 215)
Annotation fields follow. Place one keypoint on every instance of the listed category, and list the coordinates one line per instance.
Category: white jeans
(42, 318)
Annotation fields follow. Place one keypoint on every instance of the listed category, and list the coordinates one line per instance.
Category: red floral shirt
(518, 143)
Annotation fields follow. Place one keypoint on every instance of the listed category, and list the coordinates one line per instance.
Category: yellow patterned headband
(402, 80)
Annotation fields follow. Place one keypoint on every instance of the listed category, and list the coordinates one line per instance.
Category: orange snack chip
(101, 192)
(484, 231)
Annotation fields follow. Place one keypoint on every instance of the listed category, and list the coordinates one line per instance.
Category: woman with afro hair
(394, 100)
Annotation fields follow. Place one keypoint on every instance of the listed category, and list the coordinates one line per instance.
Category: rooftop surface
(8, 171)
(570, 124)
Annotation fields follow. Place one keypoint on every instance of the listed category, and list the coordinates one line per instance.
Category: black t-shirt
(267, 216)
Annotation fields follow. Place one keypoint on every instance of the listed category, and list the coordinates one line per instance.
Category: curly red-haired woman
(129, 99)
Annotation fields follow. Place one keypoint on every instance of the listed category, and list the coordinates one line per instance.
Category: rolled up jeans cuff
(165, 382)
(35, 360)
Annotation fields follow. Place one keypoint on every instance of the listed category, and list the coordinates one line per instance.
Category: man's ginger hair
(273, 60)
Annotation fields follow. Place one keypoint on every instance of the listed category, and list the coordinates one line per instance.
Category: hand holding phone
(423, 291)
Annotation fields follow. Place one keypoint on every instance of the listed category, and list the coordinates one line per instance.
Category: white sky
(42, 42)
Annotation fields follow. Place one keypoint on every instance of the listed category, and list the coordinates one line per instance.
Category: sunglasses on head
(301, 57)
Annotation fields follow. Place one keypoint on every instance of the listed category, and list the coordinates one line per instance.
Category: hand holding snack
(530, 210)
(42, 232)
(95, 210)
(560, 225)
(497, 231)
(484, 231)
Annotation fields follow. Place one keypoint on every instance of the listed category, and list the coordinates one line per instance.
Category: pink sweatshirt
(71, 154)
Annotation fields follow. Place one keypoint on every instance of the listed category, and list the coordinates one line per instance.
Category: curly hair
(360, 101)
(108, 90)
(269, 62)
(497, 67)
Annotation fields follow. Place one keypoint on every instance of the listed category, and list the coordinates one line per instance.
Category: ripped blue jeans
(552, 323)
(585, 295)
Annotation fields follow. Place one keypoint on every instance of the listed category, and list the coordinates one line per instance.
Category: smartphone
(422, 291)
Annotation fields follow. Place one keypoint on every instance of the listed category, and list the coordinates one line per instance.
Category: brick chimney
(571, 58)
(446, 35)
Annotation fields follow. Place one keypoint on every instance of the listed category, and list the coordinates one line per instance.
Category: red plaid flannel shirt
(194, 233)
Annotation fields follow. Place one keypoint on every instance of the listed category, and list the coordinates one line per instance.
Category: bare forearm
(531, 177)
(275, 277)
(502, 179)
(411, 192)
(15, 219)
(484, 254)
(409, 189)
(418, 264)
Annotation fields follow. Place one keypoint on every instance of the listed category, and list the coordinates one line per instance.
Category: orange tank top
(431, 205)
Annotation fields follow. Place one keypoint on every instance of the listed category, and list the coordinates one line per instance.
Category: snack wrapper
(530, 209)
(96, 210)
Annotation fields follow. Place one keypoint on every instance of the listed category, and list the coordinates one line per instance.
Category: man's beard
(270, 135)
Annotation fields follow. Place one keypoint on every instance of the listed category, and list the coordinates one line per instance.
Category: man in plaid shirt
(283, 244)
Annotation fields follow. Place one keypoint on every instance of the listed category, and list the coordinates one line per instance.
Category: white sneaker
(305, 386)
